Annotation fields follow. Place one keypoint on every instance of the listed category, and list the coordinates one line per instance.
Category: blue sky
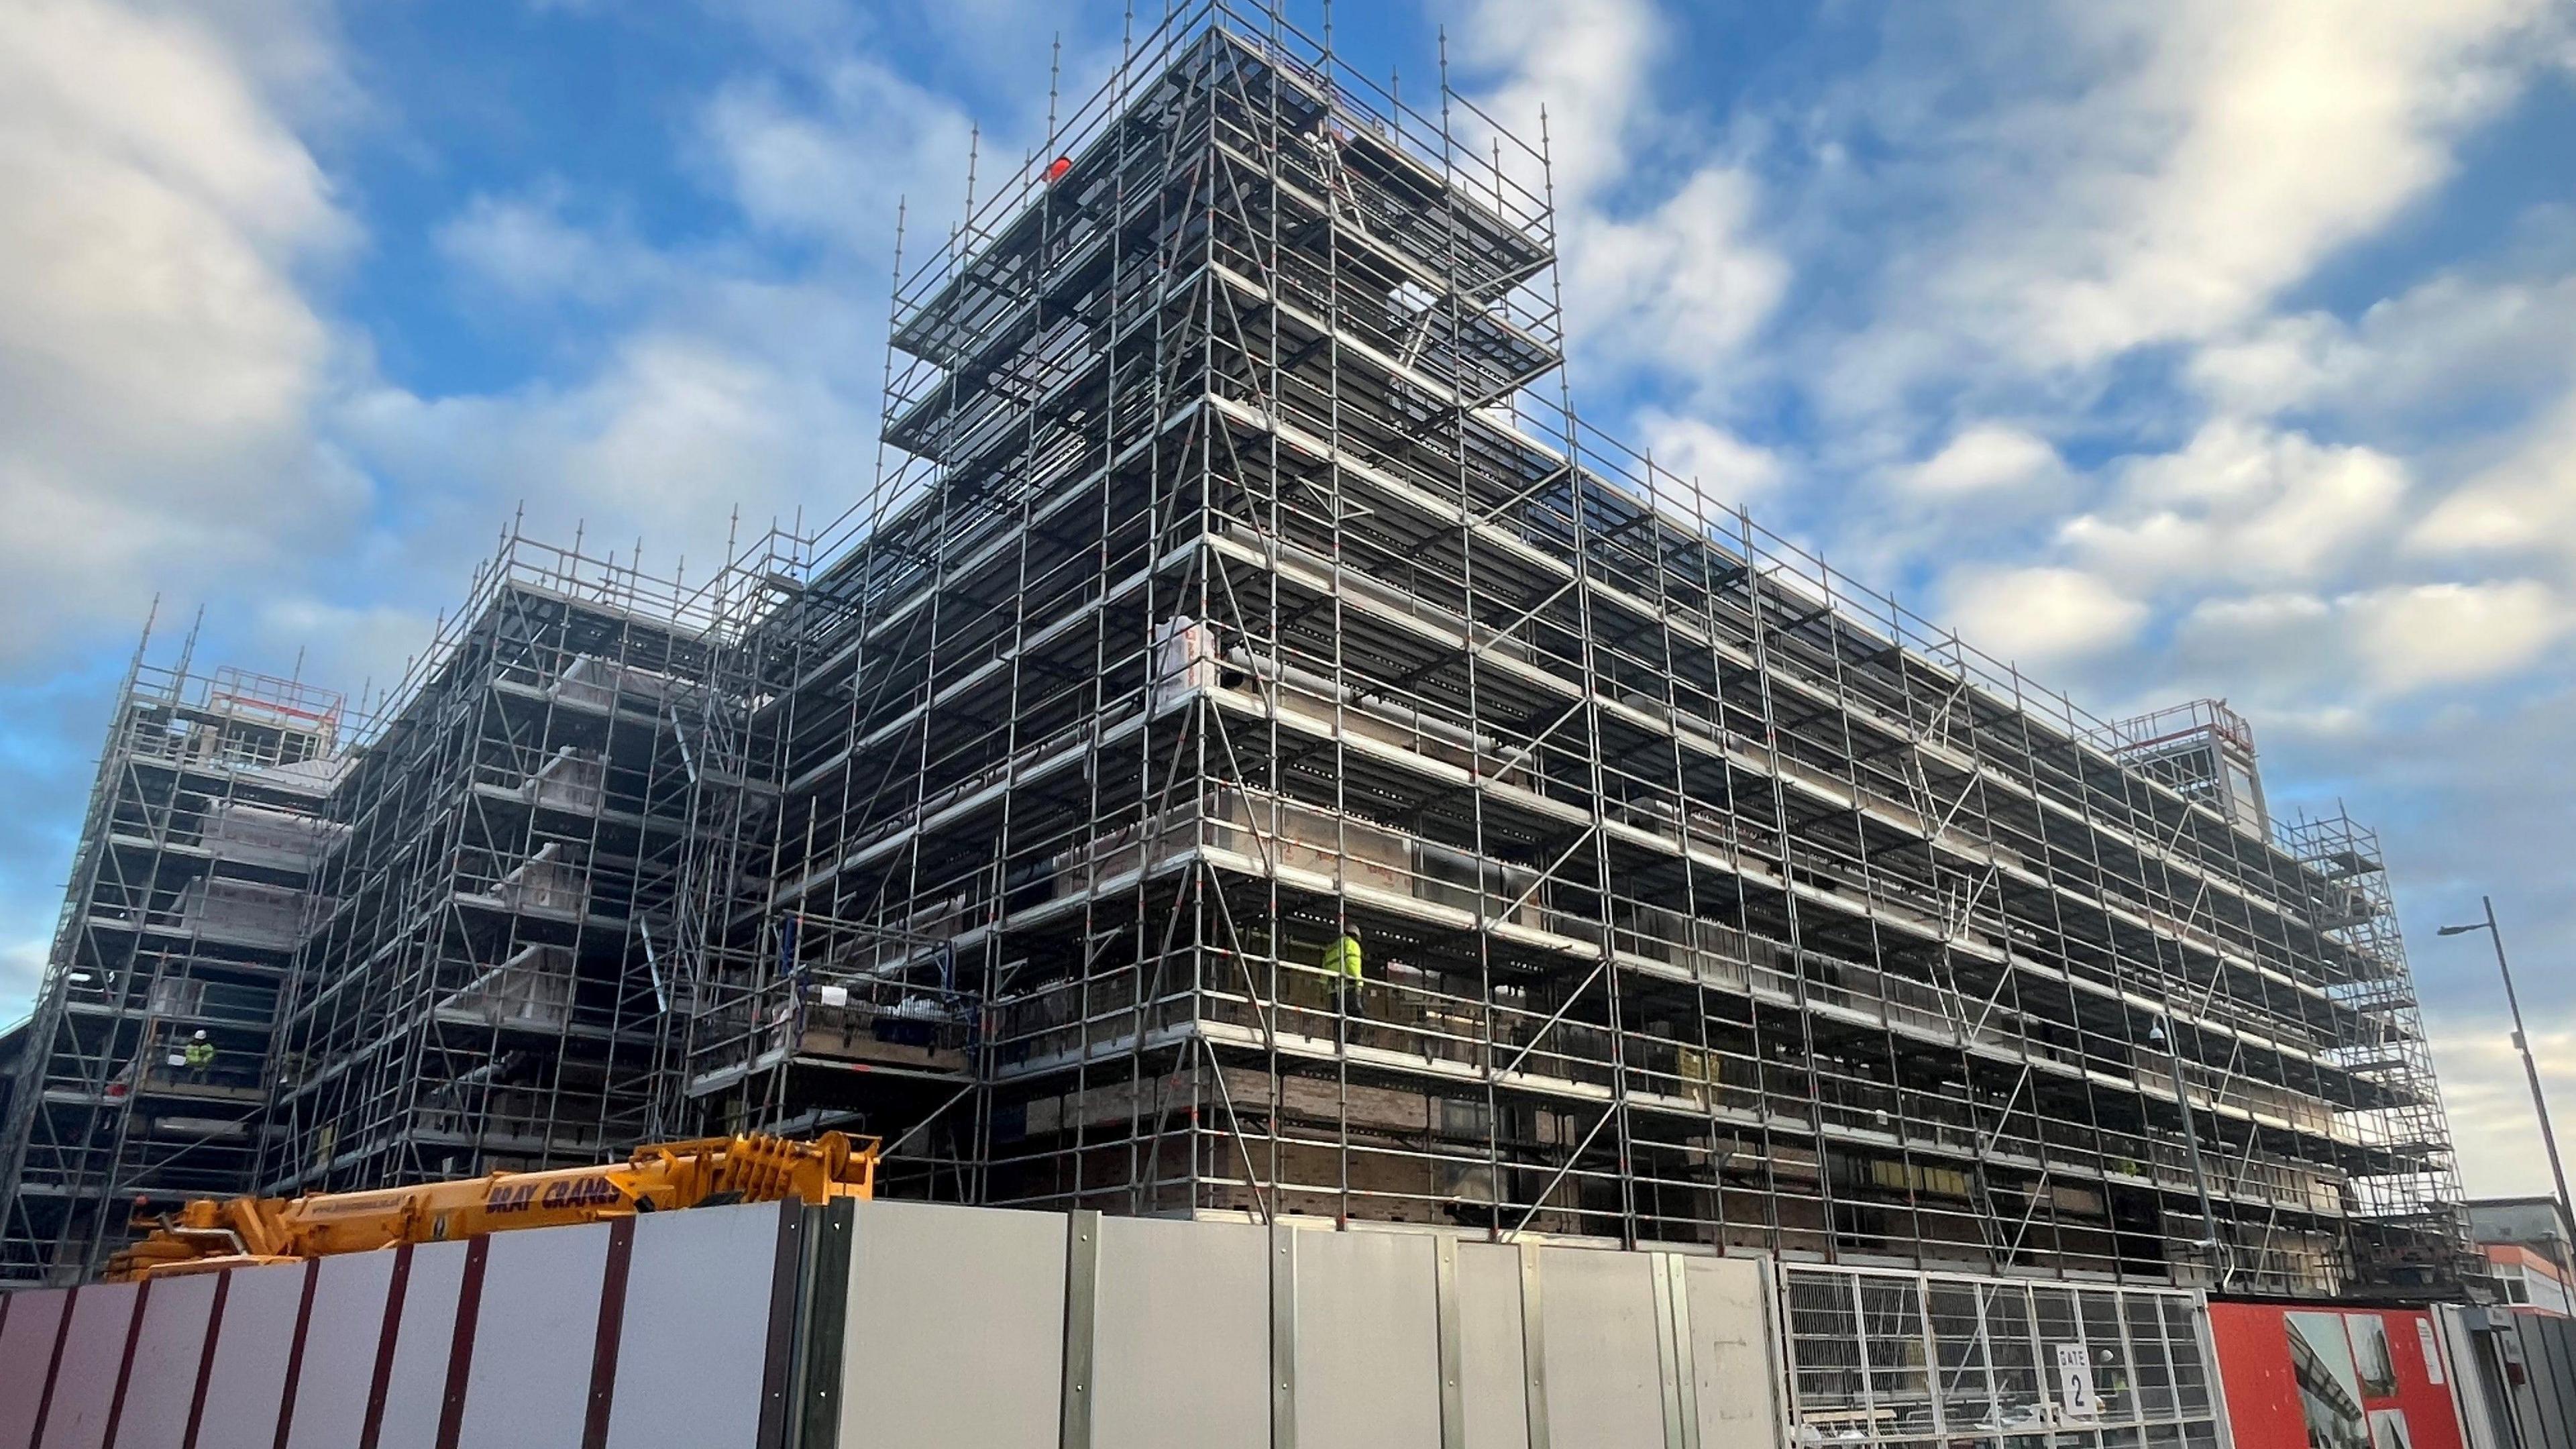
(2168, 347)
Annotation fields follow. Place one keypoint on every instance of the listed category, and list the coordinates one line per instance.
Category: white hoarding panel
(1177, 1296)
(1604, 1360)
(1735, 1381)
(955, 1331)
(694, 1346)
(416, 1383)
(341, 1336)
(168, 1351)
(34, 1318)
(528, 1385)
(92, 1353)
(1493, 1384)
(252, 1341)
(1368, 1340)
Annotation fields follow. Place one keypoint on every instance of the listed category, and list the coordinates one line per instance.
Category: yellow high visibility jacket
(1342, 958)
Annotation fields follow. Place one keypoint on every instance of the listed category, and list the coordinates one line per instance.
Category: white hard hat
(201, 1034)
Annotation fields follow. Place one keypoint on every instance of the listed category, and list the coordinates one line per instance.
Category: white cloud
(1727, 470)
(1673, 281)
(2039, 615)
(2489, 1097)
(675, 431)
(1679, 287)
(2240, 504)
(835, 173)
(2449, 345)
(2426, 634)
(361, 649)
(158, 360)
(2221, 150)
(1984, 458)
(1586, 66)
(2286, 650)
(2041, 191)
(2525, 503)
(525, 247)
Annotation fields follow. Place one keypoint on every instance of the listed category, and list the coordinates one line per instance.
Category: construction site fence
(781, 1326)
(929, 1326)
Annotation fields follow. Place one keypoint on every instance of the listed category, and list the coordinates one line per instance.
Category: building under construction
(1239, 579)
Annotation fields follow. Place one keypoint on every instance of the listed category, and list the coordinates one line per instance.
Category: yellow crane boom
(207, 1235)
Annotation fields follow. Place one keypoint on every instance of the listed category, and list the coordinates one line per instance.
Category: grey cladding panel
(955, 1333)
(1604, 1362)
(1181, 1293)
(1368, 1341)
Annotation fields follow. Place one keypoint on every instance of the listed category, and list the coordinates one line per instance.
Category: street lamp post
(2530, 1069)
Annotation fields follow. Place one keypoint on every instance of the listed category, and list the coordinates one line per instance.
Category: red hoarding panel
(2326, 1377)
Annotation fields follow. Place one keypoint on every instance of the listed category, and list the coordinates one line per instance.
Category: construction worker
(2111, 1382)
(1342, 963)
(200, 1056)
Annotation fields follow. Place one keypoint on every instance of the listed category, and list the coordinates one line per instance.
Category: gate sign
(2075, 1382)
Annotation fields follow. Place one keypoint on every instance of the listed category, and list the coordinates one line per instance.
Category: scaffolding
(2407, 1202)
(146, 1066)
(1240, 577)
(478, 988)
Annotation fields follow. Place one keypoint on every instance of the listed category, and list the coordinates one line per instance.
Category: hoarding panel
(168, 1351)
(694, 1347)
(342, 1336)
(1368, 1340)
(252, 1342)
(1174, 1293)
(528, 1386)
(416, 1382)
(938, 1290)
(27, 1333)
(1604, 1361)
(1493, 1387)
(93, 1349)
(2328, 1377)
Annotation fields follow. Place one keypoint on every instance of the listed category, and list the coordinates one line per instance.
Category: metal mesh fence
(1887, 1357)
